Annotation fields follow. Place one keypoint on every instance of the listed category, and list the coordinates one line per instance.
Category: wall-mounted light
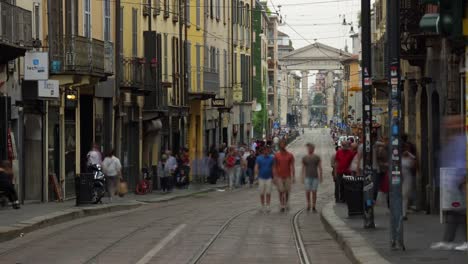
(71, 98)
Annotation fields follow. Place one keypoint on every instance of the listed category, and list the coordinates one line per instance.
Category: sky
(317, 19)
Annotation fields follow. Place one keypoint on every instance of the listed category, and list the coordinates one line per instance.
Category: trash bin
(354, 196)
(83, 188)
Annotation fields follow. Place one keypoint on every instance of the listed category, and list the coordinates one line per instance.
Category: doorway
(424, 159)
(86, 128)
(33, 157)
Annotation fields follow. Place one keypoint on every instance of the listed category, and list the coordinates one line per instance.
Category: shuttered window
(107, 20)
(166, 58)
(198, 16)
(198, 57)
(87, 18)
(135, 32)
(189, 65)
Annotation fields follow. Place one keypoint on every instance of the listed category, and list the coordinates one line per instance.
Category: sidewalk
(373, 245)
(34, 216)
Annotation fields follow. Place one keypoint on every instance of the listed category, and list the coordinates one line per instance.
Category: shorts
(311, 184)
(264, 186)
(283, 184)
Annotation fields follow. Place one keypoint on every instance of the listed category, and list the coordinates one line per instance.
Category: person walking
(230, 165)
(251, 161)
(6, 183)
(312, 173)
(221, 159)
(112, 168)
(162, 173)
(343, 159)
(264, 172)
(453, 155)
(170, 167)
(284, 173)
(408, 165)
(94, 156)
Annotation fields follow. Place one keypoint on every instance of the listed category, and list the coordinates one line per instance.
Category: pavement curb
(356, 248)
(11, 232)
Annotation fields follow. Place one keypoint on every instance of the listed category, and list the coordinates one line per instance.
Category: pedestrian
(170, 167)
(332, 162)
(112, 169)
(240, 166)
(6, 183)
(312, 174)
(453, 155)
(230, 165)
(221, 158)
(254, 145)
(162, 173)
(408, 165)
(251, 161)
(343, 159)
(379, 164)
(284, 172)
(264, 172)
(354, 166)
(94, 156)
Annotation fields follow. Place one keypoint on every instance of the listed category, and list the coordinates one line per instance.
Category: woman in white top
(113, 170)
(408, 164)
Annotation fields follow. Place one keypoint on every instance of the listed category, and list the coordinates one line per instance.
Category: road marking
(160, 245)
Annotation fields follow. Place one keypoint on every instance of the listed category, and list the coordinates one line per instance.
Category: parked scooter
(99, 183)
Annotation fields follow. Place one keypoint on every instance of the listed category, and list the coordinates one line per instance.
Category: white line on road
(160, 245)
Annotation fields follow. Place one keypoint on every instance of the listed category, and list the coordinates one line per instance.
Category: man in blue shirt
(264, 173)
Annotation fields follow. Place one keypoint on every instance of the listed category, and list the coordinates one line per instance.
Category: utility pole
(394, 106)
(367, 114)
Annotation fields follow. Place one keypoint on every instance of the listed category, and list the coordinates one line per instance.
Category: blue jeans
(250, 174)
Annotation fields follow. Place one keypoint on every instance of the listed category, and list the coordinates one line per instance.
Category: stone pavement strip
(355, 246)
(30, 217)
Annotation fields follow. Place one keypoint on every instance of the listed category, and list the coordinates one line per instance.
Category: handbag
(123, 188)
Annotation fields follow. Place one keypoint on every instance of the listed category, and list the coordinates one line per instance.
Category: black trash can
(83, 188)
(354, 196)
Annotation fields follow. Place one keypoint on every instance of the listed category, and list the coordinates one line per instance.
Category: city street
(181, 231)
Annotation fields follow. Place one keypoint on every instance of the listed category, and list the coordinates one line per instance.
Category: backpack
(230, 161)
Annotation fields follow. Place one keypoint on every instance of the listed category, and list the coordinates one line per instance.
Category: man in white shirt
(94, 156)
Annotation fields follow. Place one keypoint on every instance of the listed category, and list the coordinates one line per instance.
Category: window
(134, 32)
(187, 12)
(165, 44)
(87, 18)
(198, 57)
(157, 4)
(247, 16)
(198, 16)
(225, 68)
(240, 13)
(166, 8)
(234, 12)
(218, 65)
(121, 29)
(37, 20)
(224, 11)
(107, 20)
(189, 63)
(211, 9)
(218, 9)
(175, 11)
(213, 59)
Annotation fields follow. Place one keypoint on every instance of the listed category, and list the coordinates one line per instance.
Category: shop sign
(36, 66)
(48, 89)
(218, 102)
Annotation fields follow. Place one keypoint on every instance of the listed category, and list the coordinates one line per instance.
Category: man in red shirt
(284, 173)
(343, 159)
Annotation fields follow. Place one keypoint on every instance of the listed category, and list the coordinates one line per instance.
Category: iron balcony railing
(132, 70)
(15, 25)
(81, 55)
(211, 80)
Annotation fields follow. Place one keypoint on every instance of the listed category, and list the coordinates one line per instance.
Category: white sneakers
(449, 246)
(462, 247)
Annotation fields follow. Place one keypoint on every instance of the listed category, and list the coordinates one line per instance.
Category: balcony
(83, 56)
(271, 64)
(132, 70)
(15, 31)
(210, 80)
(271, 91)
